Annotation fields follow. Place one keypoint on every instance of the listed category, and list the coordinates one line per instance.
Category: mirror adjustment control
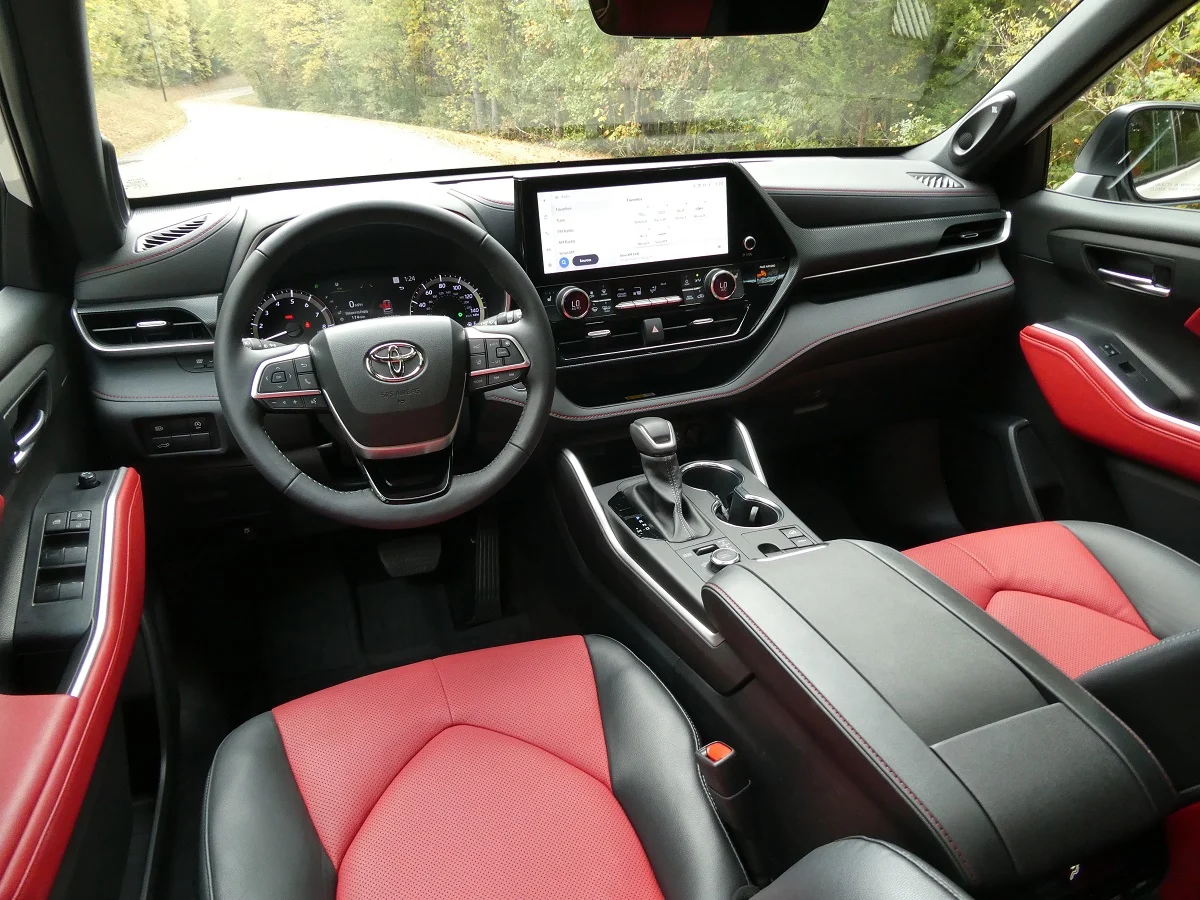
(574, 303)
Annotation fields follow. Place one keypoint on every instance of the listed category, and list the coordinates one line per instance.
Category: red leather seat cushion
(1043, 584)
(487, 768)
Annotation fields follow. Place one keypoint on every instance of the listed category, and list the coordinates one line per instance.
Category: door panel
(1106, 291)
(52, 726)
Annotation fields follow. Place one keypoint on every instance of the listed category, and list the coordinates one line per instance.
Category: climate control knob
(574, 302)
(721, 284)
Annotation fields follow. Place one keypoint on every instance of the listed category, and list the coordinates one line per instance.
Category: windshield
(213, 94)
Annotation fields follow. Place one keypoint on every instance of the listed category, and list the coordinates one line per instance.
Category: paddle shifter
(661, 497)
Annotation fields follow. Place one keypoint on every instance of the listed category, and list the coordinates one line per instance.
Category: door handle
(1130, 282)
(26, 440)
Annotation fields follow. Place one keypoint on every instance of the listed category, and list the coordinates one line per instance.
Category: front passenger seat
(1112, 609)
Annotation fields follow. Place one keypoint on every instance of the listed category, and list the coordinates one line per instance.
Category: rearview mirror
(705, 18)
(1142, 153)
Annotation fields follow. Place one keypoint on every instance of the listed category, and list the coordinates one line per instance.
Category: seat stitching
(967, 553)
(445, 695)
(863, 742)
(434, 737)
(1154, 646)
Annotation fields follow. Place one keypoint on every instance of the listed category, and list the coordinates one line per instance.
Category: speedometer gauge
(290, 317)
(450, 296)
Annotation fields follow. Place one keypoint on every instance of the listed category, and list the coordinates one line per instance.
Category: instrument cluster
(292, 314)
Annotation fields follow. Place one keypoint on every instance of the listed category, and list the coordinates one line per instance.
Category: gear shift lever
(661, 497)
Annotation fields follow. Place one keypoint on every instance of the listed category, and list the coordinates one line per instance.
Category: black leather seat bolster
(1154, 692)
(861, 869)
(257, 839)
(1164, 586)
(652, 762)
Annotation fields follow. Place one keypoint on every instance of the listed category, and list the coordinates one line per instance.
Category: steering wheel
(394, 386)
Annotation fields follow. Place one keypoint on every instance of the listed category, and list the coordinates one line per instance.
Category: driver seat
(557, 768)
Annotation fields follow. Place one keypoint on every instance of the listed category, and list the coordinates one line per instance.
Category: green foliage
(1166, 67)
(119, 34)
(540, 70)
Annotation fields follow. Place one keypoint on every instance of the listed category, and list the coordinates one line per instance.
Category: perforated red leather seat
(1113, 609)
(1080, 593)
(559, 768)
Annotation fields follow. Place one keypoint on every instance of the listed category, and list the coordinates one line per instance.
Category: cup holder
(719, 480)
(733, 504)
(747, 511)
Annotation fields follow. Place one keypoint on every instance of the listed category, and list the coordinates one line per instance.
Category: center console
(636, 263)
(891, 704)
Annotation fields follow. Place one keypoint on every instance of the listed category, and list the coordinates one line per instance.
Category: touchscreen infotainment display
(632, 224)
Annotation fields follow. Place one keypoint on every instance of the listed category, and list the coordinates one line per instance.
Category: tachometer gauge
(451, 296)
(290, 317)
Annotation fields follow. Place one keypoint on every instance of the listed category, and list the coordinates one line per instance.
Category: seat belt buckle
(723, 770)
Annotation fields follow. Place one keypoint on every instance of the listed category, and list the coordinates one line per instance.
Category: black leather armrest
(1002, 769)
(861, 869)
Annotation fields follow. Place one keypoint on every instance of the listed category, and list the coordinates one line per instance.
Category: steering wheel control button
(278, 378)
(574, 303)
(723, 558)
(303, 365)
(308, 382)
(652, 332)
(721, 284)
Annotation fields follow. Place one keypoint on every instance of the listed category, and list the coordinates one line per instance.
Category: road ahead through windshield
(226, 144)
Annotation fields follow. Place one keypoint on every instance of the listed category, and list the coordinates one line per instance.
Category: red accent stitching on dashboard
(104, 396)
(170, 248)
(854, 731)
(755, 382)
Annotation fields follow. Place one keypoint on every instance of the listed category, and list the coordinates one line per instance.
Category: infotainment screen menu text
(632, 224)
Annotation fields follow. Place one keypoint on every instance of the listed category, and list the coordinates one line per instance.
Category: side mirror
(1142, 153)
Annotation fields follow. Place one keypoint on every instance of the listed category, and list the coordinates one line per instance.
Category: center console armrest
(861, 869)
(1003, 768)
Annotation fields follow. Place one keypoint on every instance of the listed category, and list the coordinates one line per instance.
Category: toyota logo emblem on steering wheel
(395, 361)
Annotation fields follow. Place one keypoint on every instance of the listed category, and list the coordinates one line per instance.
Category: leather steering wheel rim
(235, 364)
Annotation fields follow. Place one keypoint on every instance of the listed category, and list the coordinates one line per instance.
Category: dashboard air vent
(937, 181)
(965, 234)
(153, 239)
(134, 328)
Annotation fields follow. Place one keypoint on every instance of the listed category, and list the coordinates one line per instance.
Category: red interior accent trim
(46, 764)
(1193, 323)
(1087, 402)
(1183, 841)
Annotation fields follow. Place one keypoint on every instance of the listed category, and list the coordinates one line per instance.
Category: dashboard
(807, 283)
(294, 312)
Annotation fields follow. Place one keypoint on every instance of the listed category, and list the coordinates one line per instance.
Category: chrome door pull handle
(26, 440)
(1139, 283)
